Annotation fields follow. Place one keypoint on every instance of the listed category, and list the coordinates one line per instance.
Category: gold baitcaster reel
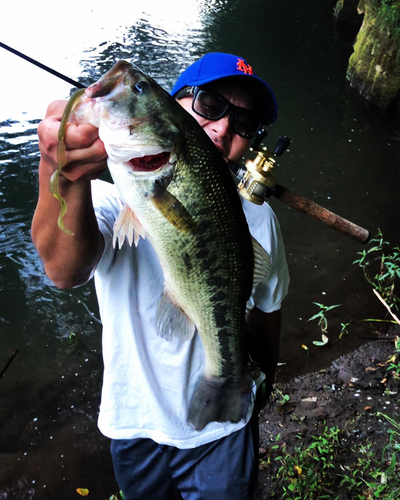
(256, 183)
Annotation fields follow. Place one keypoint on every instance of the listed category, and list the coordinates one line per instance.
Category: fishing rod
(42, 66)
(257, 184)
(255, 180)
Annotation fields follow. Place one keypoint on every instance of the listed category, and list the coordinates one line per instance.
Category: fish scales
(215, 287)
(229, 277)
(175, 182)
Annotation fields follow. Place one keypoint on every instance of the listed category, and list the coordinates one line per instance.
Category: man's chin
(223, 153)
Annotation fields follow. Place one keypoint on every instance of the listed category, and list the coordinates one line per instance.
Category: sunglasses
(212, 106)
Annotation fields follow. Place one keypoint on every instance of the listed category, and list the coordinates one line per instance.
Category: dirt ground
(348, 395)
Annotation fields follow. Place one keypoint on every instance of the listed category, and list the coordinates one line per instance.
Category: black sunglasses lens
(209, 105)
(245, 123)
(213, 107)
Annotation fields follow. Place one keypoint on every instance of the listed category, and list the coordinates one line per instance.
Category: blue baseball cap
(217, 65)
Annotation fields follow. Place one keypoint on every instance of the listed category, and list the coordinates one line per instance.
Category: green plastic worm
(61, 160)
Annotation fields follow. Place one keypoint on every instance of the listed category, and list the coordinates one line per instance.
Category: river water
(344, 155)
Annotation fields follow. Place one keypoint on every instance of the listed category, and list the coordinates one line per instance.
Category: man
(148, 381)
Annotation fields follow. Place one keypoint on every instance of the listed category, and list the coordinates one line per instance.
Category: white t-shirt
(148, 381)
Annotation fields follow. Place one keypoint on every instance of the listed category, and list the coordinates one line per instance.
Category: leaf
(84, 492)
(306, 349)
(299, 470)
(324, 341)
(318, 315)
(328, 308)
(380, 320)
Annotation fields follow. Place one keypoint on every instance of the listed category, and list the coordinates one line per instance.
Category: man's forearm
(68, 259)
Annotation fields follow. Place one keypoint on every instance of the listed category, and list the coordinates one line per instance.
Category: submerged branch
(10, 358)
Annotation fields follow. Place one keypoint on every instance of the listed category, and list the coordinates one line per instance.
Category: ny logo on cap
(244, 68)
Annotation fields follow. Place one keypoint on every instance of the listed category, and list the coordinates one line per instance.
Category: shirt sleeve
(264, 227)
(107, 206)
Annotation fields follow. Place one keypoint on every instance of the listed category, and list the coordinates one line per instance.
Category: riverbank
(330, 434)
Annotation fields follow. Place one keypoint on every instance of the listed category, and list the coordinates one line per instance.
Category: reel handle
(282, 145)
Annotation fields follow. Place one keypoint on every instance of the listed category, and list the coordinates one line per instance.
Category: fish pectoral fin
(127, 226)
(262, 263)
(172, 321)
(172, 209)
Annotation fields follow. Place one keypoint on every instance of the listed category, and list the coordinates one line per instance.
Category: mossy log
(374, 66)
(346, 12)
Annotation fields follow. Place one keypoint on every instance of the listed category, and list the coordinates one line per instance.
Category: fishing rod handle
(329, 218)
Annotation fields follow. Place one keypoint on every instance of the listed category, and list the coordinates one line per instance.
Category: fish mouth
(149, 163)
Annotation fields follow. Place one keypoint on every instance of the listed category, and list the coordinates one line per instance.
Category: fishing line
(42, 66)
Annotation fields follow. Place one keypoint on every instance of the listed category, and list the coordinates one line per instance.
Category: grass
(372, 476)
(309, 471)
(327, 469)
(382, 269)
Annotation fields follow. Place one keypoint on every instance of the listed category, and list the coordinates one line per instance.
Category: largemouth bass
(179, 194)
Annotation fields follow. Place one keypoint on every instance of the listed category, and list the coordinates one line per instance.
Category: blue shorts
(225, 469)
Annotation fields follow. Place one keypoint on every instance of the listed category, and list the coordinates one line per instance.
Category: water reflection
(160, 53)
(161, 43)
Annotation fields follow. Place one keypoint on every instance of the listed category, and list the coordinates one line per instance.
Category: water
(344, 155)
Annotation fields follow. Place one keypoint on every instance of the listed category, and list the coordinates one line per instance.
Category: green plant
(117, 496)
(344, 329)
(306, 349)
(285, 397)
(381, 270)
(323, 322)
(309, 473)
(371, 477)
(72, 340)
(394, 361)
(387, 20)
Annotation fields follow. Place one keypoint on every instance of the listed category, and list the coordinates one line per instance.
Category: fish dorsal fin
(262, 263)
(172, 321)
(172, 209)
(127, 225)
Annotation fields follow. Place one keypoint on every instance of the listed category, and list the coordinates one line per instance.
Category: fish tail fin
(219, 400)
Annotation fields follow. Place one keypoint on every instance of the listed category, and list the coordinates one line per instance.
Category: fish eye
(140, 87)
